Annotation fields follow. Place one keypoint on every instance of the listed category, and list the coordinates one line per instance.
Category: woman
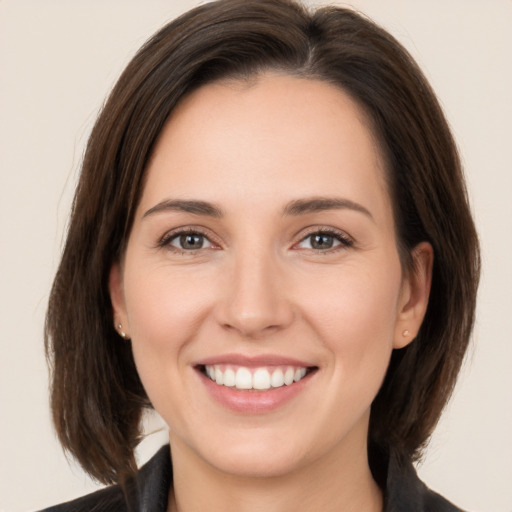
(271, 245)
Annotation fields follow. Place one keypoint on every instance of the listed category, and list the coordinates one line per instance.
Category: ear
(116, 290)
(414, 295)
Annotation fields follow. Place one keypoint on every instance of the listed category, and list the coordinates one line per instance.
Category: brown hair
(96, 395)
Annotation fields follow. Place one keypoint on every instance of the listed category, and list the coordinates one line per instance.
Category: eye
(324, 241)
(187, 241)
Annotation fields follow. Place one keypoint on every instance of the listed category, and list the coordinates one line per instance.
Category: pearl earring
(405, 333)
(121, 332)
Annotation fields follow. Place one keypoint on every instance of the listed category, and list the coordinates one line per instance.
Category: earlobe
(414, 295)
(115, 286)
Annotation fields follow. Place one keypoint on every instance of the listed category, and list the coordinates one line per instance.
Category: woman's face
(261, 285)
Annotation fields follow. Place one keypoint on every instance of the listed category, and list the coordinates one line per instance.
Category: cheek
(355, 297)
(356, 323)
(165, 310)
(355, 315)
(163, 316)
(163, 305)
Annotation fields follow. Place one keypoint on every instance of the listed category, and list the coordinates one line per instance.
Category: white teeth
(243, 379)
(277, 379)
(299, 374)
(229, 378)
(288, 376)
(257, 378)
(261, 379)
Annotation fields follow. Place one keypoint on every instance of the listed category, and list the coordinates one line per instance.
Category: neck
(330, 484)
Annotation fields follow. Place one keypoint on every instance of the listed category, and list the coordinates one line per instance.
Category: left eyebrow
(319, 204)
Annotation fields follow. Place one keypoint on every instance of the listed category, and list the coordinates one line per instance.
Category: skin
(258, 286)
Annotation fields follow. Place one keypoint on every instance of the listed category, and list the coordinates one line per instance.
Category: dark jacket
(404, 491)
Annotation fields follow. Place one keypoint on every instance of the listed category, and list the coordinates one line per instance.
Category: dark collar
(404, 491)
(154, 481)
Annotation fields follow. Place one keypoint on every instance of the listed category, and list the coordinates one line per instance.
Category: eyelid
(165, 239)
(344, 239)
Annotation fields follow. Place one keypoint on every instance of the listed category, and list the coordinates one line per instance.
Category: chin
(250, 463)
(252, 455)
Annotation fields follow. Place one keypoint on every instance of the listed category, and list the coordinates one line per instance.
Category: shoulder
(436, 503)
(405, 491)
(149, 491)
(108, 499)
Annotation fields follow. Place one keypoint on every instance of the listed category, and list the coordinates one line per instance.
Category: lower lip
(254, 401)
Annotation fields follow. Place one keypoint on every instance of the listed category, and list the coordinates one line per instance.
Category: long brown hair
(96, 395)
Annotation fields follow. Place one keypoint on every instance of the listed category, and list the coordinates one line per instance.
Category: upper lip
(253, 361)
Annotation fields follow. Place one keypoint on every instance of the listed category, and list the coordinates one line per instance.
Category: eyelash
(165, 241)
(344, 240)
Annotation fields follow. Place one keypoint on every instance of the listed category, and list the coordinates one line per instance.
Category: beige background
(59, 58)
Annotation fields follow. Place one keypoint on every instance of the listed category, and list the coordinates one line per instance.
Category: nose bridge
(256, 301)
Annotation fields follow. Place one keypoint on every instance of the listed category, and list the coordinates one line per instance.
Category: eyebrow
(188, 206)
(319, 204)
(294, 208)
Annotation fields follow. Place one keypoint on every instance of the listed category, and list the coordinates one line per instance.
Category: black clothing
(404, 492)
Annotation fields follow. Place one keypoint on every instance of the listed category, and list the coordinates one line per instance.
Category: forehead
(278, 135)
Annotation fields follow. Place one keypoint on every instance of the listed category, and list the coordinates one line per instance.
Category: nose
(255, 302)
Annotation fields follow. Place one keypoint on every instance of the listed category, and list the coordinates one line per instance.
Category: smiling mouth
(257, 379)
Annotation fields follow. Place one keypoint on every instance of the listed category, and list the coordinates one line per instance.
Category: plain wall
(59, 59)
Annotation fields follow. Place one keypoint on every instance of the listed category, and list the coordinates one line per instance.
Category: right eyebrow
(191, 206)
